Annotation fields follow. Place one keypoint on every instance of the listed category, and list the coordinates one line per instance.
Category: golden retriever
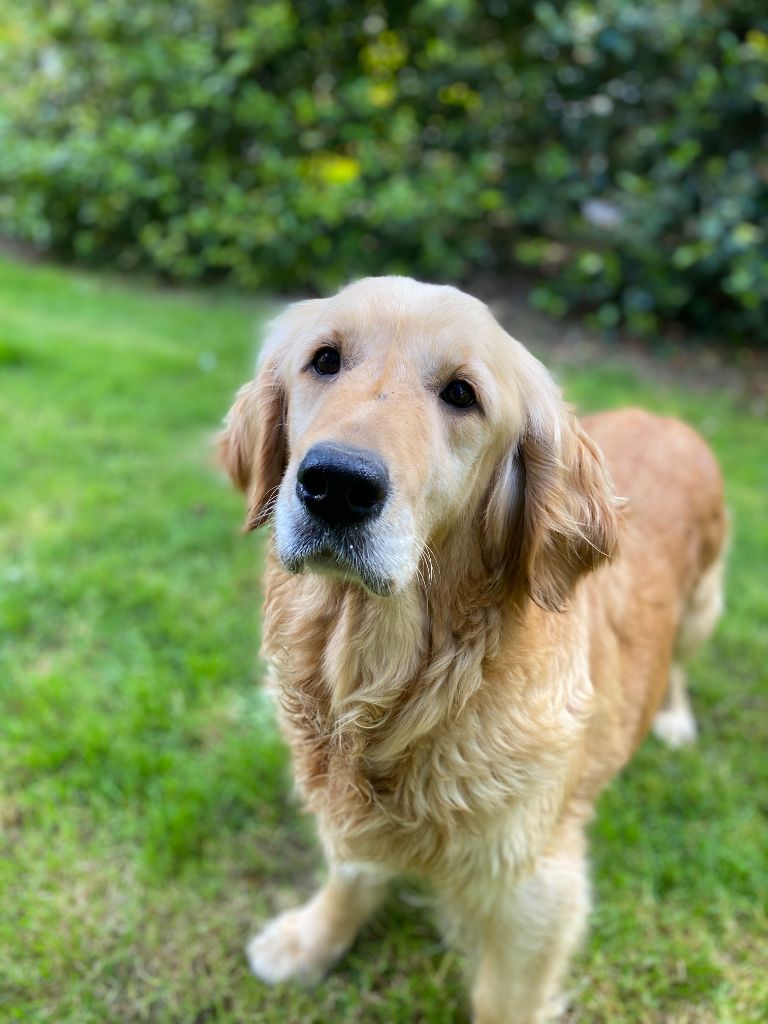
(476, 606)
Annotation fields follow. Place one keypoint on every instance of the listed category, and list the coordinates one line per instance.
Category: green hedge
(617, 148)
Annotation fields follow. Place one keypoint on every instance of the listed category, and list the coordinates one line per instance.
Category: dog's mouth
(345, 553)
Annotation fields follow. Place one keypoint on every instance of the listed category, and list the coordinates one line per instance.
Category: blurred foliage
(617, 149)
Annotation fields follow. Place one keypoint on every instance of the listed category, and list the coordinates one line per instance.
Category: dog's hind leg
(674, 723)
(303, 944)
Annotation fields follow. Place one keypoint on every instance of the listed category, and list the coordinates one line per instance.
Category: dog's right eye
(459, 393)
(327, 361)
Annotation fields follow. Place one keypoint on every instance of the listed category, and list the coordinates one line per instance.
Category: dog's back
(660, 599)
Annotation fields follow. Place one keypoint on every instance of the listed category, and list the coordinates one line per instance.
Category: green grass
(146, 821)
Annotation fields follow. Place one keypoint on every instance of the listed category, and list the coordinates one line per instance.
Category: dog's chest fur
(416, 742)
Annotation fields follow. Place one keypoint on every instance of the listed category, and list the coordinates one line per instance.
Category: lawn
(146, 818)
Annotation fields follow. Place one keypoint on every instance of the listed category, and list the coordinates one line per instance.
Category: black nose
(342, 486)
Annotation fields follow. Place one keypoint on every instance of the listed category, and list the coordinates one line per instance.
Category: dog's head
(397, 419)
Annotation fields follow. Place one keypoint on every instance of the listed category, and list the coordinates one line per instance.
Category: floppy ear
(252, 447)
(570, 519)
(552, 513)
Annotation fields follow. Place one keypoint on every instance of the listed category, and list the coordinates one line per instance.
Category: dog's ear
(252, 446)
(552, 514)
(570, 518)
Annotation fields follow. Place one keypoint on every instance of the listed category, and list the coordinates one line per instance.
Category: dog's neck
(384, 673)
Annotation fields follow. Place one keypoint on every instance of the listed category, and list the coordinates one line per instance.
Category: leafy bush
(616, 148)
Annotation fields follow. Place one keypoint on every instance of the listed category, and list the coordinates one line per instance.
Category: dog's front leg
(520, 936)
(303, 944)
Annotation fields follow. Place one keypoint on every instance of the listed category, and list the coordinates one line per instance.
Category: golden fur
(459, 725)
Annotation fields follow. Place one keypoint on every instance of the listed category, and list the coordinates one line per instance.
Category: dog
(476, 606)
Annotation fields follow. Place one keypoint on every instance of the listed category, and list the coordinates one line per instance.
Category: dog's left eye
(459, 393)
(327, 361)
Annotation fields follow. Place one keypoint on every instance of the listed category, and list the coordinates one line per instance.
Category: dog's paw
(290, 948)
(676, 727)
